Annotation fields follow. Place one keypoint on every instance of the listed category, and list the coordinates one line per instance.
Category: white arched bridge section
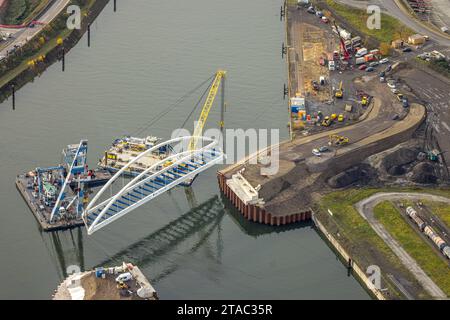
(155, 180)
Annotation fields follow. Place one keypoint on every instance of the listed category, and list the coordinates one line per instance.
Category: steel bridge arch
(137, 192)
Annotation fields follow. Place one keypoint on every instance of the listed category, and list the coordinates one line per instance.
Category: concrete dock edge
(361, 275)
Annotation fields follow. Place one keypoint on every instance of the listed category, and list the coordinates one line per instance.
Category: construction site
(125, 282)
(358, 186)
(377, 121)
(354, 122)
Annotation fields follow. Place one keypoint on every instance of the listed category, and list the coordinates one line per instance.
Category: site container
(360, 60)
(369, 57)
(299, 102)
(356, 41)
(348, 45)
(302, 114)
(99, 272)
(361, 52)
(345, 34)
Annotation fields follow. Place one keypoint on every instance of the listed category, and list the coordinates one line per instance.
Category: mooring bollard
(63, 59)
(13, 88)
(89, 35)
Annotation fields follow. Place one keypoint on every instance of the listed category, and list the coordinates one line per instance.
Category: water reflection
(257, 229)
(202, 221)
(65, 248)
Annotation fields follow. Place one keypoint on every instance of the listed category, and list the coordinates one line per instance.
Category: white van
(361, 52)
(331, 65)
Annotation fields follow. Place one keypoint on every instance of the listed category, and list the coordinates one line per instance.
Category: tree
(402, 33)
(385, 48)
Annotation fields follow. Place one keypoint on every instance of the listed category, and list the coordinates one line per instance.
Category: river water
(142, 59)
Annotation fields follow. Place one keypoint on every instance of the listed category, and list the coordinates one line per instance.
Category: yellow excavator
(364, 100)
(339, 92)
(338, 140)
(327, 121)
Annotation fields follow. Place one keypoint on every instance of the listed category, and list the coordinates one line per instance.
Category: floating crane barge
(57, 195)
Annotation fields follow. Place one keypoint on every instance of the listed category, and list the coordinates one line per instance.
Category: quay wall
(327, 169)
(346, 257)
(258, 214)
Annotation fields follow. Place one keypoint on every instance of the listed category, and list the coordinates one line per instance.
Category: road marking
(437, 128)
(445, 126)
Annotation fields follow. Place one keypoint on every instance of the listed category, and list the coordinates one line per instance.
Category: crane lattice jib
(206, 108)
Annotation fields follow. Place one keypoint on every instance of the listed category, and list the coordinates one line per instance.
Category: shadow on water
(254, 229)
(66, 249)
(204, 217)
(204, 221)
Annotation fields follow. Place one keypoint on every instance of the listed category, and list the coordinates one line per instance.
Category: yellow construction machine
(338, 140)
(339, 92)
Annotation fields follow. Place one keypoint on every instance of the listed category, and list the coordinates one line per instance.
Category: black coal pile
(396, 162)
(361, 174)
(424, 173)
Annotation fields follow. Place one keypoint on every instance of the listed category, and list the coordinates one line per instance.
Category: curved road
(21, 35)
(365, 209)
(392, 8)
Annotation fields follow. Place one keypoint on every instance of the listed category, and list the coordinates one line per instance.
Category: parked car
(316, 152)
(383, 61)
(388, 68)
(323, 149)
(331, 65)
(374, 64)
(370, 69)
(405, 102)
(311, 10)
(382, 74)
(407, 49)
(362, 67)
(322, 80)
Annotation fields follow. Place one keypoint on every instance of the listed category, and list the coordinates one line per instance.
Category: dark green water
(142, 59)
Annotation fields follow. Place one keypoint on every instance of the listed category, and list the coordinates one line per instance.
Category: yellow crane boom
(220, 74)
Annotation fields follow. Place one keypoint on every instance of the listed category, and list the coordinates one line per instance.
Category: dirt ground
(432, 91)
(104, 288)
(309, 40)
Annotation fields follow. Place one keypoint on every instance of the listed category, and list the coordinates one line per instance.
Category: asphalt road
(20, 36)
(365, 209)
(390, 7)
(435, 95)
